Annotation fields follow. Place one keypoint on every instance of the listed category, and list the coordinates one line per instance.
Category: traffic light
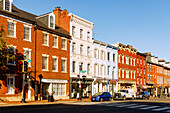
(25, 66)
(20, 66)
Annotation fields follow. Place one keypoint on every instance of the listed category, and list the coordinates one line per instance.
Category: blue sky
(145, 24)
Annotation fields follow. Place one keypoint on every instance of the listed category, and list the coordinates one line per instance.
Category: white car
(125, 93)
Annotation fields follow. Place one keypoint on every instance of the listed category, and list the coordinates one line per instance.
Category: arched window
(51, 21)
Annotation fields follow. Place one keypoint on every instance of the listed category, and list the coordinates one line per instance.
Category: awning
(54, 81)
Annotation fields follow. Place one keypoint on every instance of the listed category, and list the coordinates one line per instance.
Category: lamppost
(80, 69)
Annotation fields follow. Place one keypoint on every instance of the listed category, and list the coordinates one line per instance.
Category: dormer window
(51, 21)
(7, 4)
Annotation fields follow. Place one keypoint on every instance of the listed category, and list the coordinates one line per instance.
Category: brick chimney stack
(57, 13)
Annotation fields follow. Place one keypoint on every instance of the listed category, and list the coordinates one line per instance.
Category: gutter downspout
(35, 30)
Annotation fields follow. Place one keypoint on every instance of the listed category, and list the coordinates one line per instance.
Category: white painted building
(80, 56)
(104, 66)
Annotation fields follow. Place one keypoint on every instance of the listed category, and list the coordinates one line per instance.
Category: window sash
(63, 43)
(45, 60)
(26, 33)
(63, 65)
(11, 52)
(55, 64)
(45, 38)
(55, 41)
(11, 28)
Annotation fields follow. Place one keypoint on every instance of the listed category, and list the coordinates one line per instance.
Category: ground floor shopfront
(124, 84)
(80, 87)
(104, 85)
(58, 88)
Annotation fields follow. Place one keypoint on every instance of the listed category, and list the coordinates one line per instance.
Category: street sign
(83, 71)
(28, 60)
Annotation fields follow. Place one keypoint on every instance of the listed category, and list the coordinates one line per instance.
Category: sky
(144, 24)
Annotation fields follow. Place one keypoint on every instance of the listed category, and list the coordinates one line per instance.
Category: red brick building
(141, 72)
(42, 41)
(126, 66)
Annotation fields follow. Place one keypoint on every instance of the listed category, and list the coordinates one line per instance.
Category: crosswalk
(138, 106)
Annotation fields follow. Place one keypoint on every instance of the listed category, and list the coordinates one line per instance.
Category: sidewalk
(40, 102)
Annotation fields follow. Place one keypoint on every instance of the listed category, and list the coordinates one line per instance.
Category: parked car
(124, 94)
(143, 95)
(101, 96)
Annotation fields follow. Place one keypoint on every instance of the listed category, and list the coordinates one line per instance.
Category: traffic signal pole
(23, 89)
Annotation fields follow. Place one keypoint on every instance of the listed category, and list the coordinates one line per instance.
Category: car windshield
(122, 91)
(97, 94)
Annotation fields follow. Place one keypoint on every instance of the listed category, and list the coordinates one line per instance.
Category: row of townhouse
(63, 57)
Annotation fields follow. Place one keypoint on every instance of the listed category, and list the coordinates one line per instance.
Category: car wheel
(101, 100)
(124, 98)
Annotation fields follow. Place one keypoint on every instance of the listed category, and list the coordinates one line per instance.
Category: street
(92, 107)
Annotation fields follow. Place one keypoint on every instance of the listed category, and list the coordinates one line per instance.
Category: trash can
(50, 98)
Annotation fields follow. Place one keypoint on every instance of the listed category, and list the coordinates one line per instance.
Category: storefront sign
(54, 81)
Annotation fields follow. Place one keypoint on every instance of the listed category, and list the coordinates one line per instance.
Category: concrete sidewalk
(40, 102)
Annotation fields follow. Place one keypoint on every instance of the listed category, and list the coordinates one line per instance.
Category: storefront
(84, 89)
(124, 84)
(54, 87)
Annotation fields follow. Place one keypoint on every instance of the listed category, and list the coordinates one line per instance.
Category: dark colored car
(143, 95)
(101, 96)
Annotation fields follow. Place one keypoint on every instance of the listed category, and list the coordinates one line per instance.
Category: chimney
(57, 13)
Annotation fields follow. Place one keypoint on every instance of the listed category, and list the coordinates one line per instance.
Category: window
(108, 56)
(123, 75)
(119, 58)
(95, 53)
(55, 63)
(88, 68)
(144, 62)
(51, 21)
(133, 61)
(63, 67)
(64, 43)
(45, 39)
(102, 55)
(10, 84)
(127, 73)
(141, 70)
(88, 36)
(122, 59)
(27, 55)
(102, 70)
(137, 60)
(137, 70)
(27, 33)
(81, 49)
(11, 51)
(73, 66)
(108, 70)
(73, 47)
(119, 72)
(88, 51)
(140, 61)
(55, 41)
(45, 62)
(127, 60)
(96, 69)
(113, 57)
(81, 33)
(131, 74)
(73, 30)
(11, 28)
(7, 5)
(59, 89)
(134, 74)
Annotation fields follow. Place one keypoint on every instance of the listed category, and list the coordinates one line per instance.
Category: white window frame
(11, 76)
(51, 14)
(45, 55)
(123, 73)
(108, 70)
(10, 5)
(123, 60)
(127, 73)
(65, 65)
(88, 51)
(65, 43)
(11, 46)
(55, 57)
(73, 47)
(47, 39)
(53, 41)
(133, 61)
(73, 30)
(27, 49)
(28, 26)
(81, 49)
(14, 22)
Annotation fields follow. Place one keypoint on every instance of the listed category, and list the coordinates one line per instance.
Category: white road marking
(126, 105)
(149, 107)
(159, 109)
(167, 111)
(137, 106)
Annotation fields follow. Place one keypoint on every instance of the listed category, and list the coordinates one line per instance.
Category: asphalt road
(92, 107)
